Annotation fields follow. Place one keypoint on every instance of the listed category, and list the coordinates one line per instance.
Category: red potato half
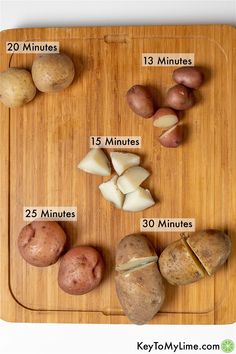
(191, 76)
(172, 137)
(180, 97)
(81, 270)
(140, 101)
(165, 118)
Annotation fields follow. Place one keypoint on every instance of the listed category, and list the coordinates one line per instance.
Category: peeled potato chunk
(138, 200)
(95, 162)
(111, 192)
(132, 178)
(121, 161)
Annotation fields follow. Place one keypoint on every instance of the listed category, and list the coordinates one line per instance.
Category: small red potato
(141, 101)
(41, 243)
(180, 97)
(165, 118)
(190, 76)
(81, 270)
(172, 137)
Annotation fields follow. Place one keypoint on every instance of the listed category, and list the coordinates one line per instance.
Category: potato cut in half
(111, 192)
(134, 251)
(178, 265)
(212, 248)
(132, 178)
(121, 161)
(95, 162)
(138, 200)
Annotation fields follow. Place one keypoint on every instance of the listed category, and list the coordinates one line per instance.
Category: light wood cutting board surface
(42, 143)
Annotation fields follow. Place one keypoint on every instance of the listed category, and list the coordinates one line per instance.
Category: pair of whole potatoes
(41, 243)
(50, 73)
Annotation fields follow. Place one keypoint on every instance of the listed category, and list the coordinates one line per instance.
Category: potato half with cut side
(139, 284)
(212, 248)
(178, 265)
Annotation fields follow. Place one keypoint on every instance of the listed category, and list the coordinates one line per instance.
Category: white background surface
(100, 339)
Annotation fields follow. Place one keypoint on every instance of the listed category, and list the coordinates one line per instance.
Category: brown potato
(16, 87)
(141, 292)
(172, 137)
(178, 265)
(212, 247)
(139, 284)
(133, 250)
(52, 72)
(41, 243)
(180, 97)
(189, 76)
(81, 270)
(141, 101)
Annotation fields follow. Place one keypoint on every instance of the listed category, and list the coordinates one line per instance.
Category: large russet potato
(178, 265)
(41, 243)
(81, 270)
(52, 72)
(139, 284)
(212, 248)
(16, 87)
(190, 259)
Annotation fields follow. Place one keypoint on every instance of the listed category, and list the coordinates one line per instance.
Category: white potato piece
(111, 192)
(121, 161)
(132, 178)
(96, 162)
(138, 200)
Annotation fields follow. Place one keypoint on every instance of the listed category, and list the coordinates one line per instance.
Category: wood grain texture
(42, 142)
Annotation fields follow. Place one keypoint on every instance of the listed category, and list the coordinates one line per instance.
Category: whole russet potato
(81, 270)
(190, 76)
(212, 247)
(178, 265)
(180, 97)
(16, 87)
(141, 101)
(52, 72)
(41, 243)
(139, 284)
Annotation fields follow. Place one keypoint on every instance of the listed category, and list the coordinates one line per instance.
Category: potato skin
(141, 293)
(172, 137)
(52, 72)
(41, 243)
(81, 270)
(212, 247)
(178, 266)
(16, 87)
(140, 101)
(133, 246)
(190, 76)
(180, 97)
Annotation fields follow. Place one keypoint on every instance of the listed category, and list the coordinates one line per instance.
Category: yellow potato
(212, 247)
(16, 87)
(178, 265)
(52, 72)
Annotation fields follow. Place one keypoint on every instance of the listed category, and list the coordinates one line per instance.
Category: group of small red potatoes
(179, 97)
(139, 273)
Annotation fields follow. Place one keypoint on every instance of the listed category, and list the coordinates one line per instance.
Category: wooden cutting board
(42, 142)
